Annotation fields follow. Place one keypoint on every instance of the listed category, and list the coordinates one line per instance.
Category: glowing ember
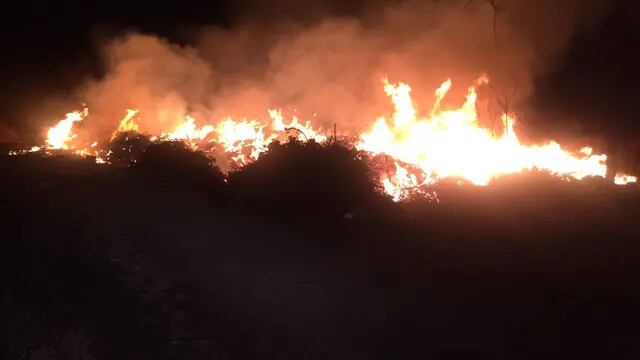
(22, 152)
(59, 135)
(451, 143)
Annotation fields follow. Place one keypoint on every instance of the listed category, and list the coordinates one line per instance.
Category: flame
(397, 185)
(127, 123)
(451, 143)
(424, 149)
(624, 179)
(306, 130)
(58, 136)
(188, 130)
(238, 137)
(245, 140)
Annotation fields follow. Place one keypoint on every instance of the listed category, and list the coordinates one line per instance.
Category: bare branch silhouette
(495, 5)
(298, 130)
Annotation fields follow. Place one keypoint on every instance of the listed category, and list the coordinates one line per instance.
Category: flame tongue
(128, 123)
(451, 143)
(306, 130)
(59, 135)
(188, 130)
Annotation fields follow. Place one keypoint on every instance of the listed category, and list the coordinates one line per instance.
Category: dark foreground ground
(167, 261)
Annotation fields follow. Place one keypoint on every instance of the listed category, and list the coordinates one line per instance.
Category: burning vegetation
(446, 143)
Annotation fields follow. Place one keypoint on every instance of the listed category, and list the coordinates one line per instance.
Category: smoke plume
(328, 68)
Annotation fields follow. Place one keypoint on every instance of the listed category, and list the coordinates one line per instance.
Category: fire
(127, 123)
(59, 135)
(188, 131)
(306, 130)
(424, 149)
(240, 137)
(397, 185)
(451, 143)
(624, 179)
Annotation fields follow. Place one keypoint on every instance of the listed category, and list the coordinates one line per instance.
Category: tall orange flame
(451, 143)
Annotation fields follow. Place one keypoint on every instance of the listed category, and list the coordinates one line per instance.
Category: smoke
(149, 74)
(329, 68)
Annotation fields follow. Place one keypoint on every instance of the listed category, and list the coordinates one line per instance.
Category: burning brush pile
(407, 152)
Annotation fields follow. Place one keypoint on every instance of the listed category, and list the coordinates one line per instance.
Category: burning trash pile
(420, 150)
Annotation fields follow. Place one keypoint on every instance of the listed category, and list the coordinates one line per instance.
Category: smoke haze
(329, 68)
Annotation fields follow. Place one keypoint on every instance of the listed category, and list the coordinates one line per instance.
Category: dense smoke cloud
(330, 69)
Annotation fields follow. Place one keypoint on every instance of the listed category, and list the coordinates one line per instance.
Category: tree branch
(495, 5)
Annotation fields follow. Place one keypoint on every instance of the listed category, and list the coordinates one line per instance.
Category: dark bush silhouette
(303, 178)
(127, 147)
(173, 163)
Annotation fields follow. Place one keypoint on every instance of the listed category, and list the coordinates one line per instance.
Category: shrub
(173, 163)
(127, 147)
(304, 178)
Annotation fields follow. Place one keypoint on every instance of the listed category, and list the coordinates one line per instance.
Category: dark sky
(49, 47)
(598, 78)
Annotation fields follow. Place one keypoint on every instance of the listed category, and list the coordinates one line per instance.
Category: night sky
(597, 79)
(49, 47)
